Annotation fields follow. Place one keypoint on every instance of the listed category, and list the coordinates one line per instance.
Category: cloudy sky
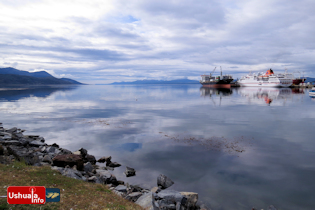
(103, 41)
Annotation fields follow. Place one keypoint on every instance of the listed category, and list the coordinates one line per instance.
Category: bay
(238, 148)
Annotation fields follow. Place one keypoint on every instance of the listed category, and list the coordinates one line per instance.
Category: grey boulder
(37, 143)
(169, 199)
(145, 201)
(164, 182)
(88, 167)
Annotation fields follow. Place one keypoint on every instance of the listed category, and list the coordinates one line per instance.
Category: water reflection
(172, 130)
(268, 95)
(208, 92)
(18, 92)
(212, 93)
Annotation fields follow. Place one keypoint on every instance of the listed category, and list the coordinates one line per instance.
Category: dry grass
(75, 194)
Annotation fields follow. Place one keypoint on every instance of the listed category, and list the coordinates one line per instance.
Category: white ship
(268, 79)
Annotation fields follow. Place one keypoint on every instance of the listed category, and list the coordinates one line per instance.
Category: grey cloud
(107, 30)
(200, 34)
(190, 13)
(83, 54)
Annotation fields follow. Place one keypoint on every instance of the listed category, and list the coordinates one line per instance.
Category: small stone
(36, 143)
(47, 159)
(18, 135)
(114, 164)
(77, 153)
(130, 171)
(106, 177)
(43, 149)
(55, 145)
(65, 151)
(88, 167)
(51, 149)
(192, 199)
(121, 188)
(119, 182)
(41, 139)
(133, 196)
(90, 158)
(12, 130)
(72, 173)
(93, 179)
(104, 159)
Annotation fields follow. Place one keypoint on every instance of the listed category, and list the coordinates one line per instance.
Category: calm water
(238, 149)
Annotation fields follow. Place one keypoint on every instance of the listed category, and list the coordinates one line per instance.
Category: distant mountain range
(177, 81)
(12, 76)
(309, 79)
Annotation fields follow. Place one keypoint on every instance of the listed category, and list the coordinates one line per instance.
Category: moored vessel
(222, 81)
(298, 81)
(312, 92)
(268, 79)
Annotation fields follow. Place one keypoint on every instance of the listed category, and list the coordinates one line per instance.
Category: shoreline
(32, 150)
(80, 165)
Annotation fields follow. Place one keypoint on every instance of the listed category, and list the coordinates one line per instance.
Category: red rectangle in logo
(26, 195)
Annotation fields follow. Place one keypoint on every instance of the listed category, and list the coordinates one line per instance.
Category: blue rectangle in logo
(52, 195)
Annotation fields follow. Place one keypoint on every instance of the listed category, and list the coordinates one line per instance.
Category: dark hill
(309, 79)
(11, 79)
(14, 71)
(71, 80)
(12, 76)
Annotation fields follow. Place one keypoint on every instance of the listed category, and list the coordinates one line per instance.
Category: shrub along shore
(26, 160)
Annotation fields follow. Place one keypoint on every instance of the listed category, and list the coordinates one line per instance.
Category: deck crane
(212, 72)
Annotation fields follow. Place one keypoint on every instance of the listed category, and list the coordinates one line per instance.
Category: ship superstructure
(268, 79)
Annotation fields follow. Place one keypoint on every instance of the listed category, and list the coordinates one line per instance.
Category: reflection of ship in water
(268, 94)
(205, 91)
(297, 90)
(215, 92)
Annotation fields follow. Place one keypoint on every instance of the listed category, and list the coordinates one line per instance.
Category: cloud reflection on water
(276, 168)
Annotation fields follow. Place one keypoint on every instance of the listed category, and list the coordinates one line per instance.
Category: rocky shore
(33, 150)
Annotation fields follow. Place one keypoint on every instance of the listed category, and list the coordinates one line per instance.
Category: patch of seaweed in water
(235, 145)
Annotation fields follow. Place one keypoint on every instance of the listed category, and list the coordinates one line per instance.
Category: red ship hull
(298, 81)
(217, 85)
